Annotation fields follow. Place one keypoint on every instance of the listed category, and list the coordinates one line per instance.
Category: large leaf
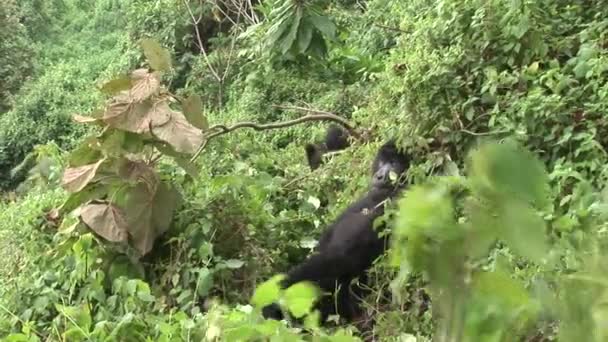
(138, 206)
(107, 220)
(137, 117)
(193, 110)
(301, 297)
(145, 85)
(267, 292)
(324, 25)
(180, 134)
(76, 178)
(149, 209)
(508, 170)
(158, 57)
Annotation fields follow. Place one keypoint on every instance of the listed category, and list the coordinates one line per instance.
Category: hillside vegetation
(135, 206)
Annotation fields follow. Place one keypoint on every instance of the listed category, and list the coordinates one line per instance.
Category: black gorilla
(336, 139)
(350, 245)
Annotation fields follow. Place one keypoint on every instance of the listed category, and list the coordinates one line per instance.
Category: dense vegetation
(126, 221)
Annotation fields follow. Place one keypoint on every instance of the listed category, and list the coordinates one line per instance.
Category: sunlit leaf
(76, 178)
(267, 292)
(145, 85)
(300, 298)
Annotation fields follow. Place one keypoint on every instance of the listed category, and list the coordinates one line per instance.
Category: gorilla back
(350, 245)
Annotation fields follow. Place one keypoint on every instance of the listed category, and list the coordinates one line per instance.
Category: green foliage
(437, 75)
(297, 28)
(17, 54)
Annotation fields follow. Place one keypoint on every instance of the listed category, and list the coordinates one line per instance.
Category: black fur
(350, 245)
(336, 139)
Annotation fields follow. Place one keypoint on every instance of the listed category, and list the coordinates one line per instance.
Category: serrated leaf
(107, 220)
(267, 292)
(180, 134)
(158, 57)
(117, 85)
(300, 298)
(193, 111)
(76, 178)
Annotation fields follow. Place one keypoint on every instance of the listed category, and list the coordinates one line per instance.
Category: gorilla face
(389, 164)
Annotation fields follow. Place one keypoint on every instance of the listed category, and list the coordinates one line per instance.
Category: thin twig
(390, 28)
(485, 133)
(217, 130)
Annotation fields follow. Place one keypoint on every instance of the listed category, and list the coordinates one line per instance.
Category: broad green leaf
(117, 85)
(288, 41)
(508, 170)
(524, 230)
(205, 282)
(166, 200)
(158, 57)
(325, 25)
(300, 298)
(267, 292)
(305, 35)
(86, 153)
(193, 111)
(107, 220)
(74, 200)
(76, 178)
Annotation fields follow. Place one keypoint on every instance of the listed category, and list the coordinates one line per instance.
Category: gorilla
(336, 139)
(350, 245)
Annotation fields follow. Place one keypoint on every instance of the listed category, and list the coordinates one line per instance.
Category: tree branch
(217, 130)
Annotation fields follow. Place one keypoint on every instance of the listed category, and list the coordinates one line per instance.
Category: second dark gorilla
(350, 245)
(336, 139)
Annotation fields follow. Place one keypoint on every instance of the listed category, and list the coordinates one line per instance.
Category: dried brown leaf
(179, 133)
(145, 85)
(107, 220)
(76, 178)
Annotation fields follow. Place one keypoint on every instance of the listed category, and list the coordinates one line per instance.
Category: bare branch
(200, 41)
(217, 130)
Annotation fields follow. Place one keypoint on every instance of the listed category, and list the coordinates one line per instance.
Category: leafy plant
(111, 176)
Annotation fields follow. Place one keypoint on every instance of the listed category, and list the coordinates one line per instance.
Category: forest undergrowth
(138, 204)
